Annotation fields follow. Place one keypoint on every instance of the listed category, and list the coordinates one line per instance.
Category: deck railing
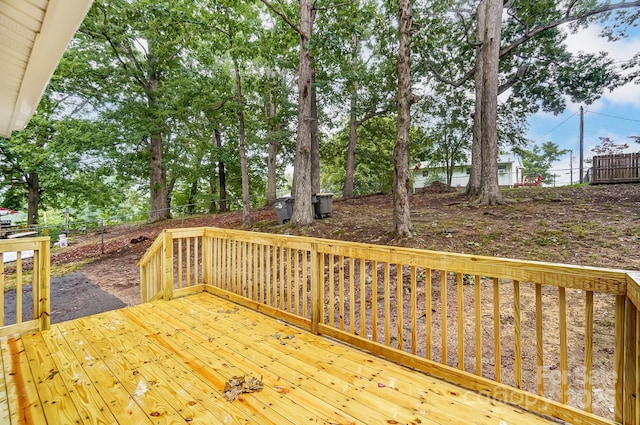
(557, 339)
(16, 278)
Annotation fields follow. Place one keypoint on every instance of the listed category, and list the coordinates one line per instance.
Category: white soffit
(33, 37)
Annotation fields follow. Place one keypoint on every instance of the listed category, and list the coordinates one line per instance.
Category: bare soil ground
(586, 225)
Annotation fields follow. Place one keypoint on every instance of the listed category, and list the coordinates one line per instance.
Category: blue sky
(615, 115)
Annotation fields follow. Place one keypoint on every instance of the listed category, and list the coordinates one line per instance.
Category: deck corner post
(619, 354)
(316, 281)
(44, 284)
(207, 253)
(167, 266)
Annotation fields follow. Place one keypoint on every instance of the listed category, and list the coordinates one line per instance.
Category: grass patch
(546, 237)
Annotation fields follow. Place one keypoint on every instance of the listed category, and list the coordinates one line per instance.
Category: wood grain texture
(168, 361)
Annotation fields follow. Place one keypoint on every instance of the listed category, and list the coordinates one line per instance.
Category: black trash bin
(284, 209)
(323, 205)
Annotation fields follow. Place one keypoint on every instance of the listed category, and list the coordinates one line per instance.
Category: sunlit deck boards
(167, 362)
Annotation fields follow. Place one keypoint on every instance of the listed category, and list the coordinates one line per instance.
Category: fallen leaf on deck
(241, 384)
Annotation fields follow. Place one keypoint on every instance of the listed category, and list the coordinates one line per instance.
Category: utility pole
(571, 166)
(581, 144)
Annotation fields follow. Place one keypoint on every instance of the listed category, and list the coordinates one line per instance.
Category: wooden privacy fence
(619, 168)
(23, 278)
(557, 339)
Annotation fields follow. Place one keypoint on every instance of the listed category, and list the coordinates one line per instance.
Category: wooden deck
(168, 361)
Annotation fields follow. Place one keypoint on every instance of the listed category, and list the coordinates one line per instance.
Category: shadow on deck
(168, 362)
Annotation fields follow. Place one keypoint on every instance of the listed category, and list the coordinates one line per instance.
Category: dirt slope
(587, 225)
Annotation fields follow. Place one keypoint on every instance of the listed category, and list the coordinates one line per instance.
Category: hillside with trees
(210, 103)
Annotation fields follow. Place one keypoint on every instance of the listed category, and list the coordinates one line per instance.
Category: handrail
(40, 280)
(502, 327)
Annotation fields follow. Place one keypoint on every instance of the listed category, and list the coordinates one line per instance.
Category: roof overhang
(33, 37)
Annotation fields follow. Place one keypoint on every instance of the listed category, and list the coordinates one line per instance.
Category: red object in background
(7, 211)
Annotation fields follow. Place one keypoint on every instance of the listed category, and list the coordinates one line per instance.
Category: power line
(556, 127)
(613, 116)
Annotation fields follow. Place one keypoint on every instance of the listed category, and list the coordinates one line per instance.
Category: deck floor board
(168, 362)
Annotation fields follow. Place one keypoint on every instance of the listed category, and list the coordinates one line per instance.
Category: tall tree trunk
(401, 215)
(191, 207)
(212, 177)
(490, 54)
(158, 208)
(246, 202)
(272, 151)
(350, 171)
(33, 198)
(315, 143)
(474, 184)
(221, 174)
(302, 208)
(170, 186)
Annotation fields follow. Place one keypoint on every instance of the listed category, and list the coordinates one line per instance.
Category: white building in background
(14, 217)
(509, 173)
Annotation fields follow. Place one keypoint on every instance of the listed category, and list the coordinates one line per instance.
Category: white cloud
(588, 41)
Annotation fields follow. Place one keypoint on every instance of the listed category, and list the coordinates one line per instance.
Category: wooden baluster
(269, 269)
(517, 328)
(414, 309)
(305, 288)
(564, 367)
(352, 296)
(19, 287)
(341, 291)
(619, 357)
(188, 262)
(497, 356)
(316, 264)
(255, 261)
(443, 315)
(477, 281)
(319, 276)
(460, 291)
(387, 305)
(332, 272)
(400, 304)
(630, 363)
(539, 341)
(363, 300)
(35, 287)
(588, 352)
(180, 278)
(374, 300)
(288, 270)
(196, 260)
(281, 254)
(427, 313)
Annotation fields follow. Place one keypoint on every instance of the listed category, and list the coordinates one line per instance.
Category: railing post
(207, 253)
(618, 362)
(143, 284)
(316, 281)
(44, 287)
(629, 397)
(167, 266)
